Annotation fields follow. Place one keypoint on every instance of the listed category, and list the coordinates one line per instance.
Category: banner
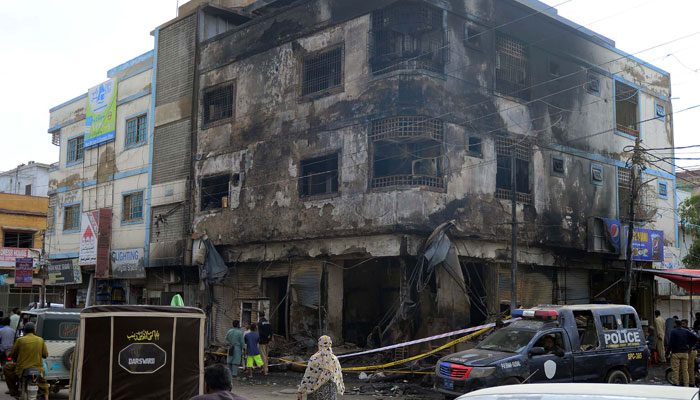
(127, 264)
(65, 272)
(671, 259)
(101, 113)
(647, 245)
(88, 238)
(9, 254)
(24, 272)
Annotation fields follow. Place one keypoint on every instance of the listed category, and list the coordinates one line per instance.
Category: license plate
(449, 384)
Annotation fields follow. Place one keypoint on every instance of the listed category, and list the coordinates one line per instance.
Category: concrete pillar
(335, 302)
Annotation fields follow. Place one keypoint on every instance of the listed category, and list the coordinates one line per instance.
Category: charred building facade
(330, 139)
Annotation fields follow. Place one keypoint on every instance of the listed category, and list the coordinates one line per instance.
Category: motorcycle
(28, 387)
(669, 373)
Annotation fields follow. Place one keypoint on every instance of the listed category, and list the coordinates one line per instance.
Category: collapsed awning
(688, 279)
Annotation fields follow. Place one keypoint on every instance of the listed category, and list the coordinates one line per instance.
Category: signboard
(612, 229)
(24, 272)
(88, 238)
(104, 239)
(142, 358)
(647, 244)
(66, 272)
(9, 254)
(101, 113)
(671, 259)
(127, 264)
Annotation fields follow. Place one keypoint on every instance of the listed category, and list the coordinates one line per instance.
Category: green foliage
(689, 212)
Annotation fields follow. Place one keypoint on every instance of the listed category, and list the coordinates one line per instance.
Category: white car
(571, 391)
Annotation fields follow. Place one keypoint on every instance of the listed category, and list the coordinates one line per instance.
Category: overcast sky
(54, 51)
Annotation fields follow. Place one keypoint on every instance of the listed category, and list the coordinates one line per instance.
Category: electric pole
(514, 235)
(636, 163)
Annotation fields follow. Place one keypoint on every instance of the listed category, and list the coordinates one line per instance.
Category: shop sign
(127, 264)
(9, 254)
(647, 244)
(24, 272)
(65, 272)
(88, 238)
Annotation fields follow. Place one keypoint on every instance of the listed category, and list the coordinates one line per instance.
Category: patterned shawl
(323, 366)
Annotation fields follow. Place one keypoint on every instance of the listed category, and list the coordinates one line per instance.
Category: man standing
(696, 324)
(692, 354)
(252, 339)
(7, 337)
(265, 339)
(234, 338)
(28, 352)
(14, 318)
(660, 329)
(679, 342)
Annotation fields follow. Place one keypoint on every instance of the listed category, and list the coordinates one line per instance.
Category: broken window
(218, 103)
(472, 35)
(214, 192)
(407, 151)
(626, 109)
(322, 71)
(18, 239)
(597, 174)
(319, 176)
(554, 68)
(512, 67)
(505, 148)
(408, 36)
(558, 166)
(475, 147)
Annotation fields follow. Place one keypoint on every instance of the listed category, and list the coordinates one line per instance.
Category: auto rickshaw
(139, 352)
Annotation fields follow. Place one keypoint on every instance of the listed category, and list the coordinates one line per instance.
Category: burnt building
(330, 138)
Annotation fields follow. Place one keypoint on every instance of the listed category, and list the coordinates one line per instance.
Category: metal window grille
(627, 109)
(132, 207)
(663, 189)
(218, 103)
(624, 178)
(523, 156)
(408, 36)
(512, 67)
(136, 130)
(71, 218)
(322, 71)
(319, 176)
(407, 126)
(23, 240)
(75, 149)
(56, 138)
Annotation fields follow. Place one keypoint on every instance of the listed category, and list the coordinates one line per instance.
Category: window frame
(664, 184)
(614, 319)
(503, 148)
(137, 143)
(523, 92)
(472, 153)
(18, 232)
(480, 34)
(339, 88)
(659, 106)
(324, 158)
(602, 174)
(132, 220)
(208, 123)
(619, 81)
(74, 139)
(589, 87)
(72, 228)
(561, 158)
(228, 193)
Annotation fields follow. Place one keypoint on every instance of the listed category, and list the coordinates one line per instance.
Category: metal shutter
(535, 285)
(574, 286)
(223, 313)
(171, 149)
(168, 223)
(175, 74)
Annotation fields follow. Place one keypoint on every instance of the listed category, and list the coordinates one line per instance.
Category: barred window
(624, 191)
(76, 152)
(18, 239)
(319, 176)
(322, 71)
(136, 129)
(71, 217)
(407, 151)
(504, 165)
(512, 67)
(132, 207)
(218, 103)
(627, 109)
(214, 192)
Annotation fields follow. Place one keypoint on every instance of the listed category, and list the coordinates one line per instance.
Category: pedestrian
(692, 354)
(7, 337)
(660, 328)
(217, 384)
(323, 379)
(651, 338)
(234, 356)
(265, 332)
(696, 324)
(670, 323)
(14, 318)
(679, 342)
(252, 340)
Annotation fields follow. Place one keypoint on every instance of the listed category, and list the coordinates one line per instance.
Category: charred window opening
(558, 166)
(624, 191)
(319, 176)
(627, 109)
(214, 191)
(593, 85)
(512, 67)
(597, 176)
(475, 147)
(472, 35)
(408, 36)
(504, 164)
(18, 239)
(218, 103)
(554, 68)
(407, 151)
(322, 71)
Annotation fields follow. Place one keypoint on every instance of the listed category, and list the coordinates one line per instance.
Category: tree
(690, 223)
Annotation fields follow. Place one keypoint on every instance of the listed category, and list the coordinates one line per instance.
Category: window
(663, 190)
(472, 35)
(136, 130)
(56, 137)
(76, 151)
(659, 110)
(608, 322)
(407, 151)
(554, 68)
(71, 217)
(218, 103)
(505, 148)
(475, 147)
(19, 239)
(597, 176)
(28, 190)
(322, 71)
(626, 109)
(624, 191)
(512, 67)
(132, 207)
(407, 36)
(319, 176)
(629, 321)
(551, 342)
(593, 85)
(558, 166)
(214, 192)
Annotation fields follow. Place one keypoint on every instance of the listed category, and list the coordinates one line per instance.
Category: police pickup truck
(581, 343)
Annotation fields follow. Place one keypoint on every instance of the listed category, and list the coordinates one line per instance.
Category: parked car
(571, 391)
(581, 343)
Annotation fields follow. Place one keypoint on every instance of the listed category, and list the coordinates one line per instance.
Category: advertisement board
(65, 272)
(671, 259)
(9, 254)
(647, 244)
(24, 272)
(127, 264)
(88, 238)
(101, 113)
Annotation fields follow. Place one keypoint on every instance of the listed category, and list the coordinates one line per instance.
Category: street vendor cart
(139, 352)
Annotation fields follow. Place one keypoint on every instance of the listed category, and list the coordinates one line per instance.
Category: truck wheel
(617, 376)
(511, 381)
(68, 357)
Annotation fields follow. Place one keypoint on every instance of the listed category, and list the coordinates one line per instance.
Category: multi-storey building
(31, 179)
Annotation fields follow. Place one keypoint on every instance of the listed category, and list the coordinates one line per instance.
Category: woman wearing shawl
(323, 379)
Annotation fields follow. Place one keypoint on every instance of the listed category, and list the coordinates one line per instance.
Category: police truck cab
(577, 343)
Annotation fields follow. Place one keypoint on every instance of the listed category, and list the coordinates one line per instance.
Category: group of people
(674, 339)
(249, 345)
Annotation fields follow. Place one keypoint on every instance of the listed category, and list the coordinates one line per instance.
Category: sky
(55, 50)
